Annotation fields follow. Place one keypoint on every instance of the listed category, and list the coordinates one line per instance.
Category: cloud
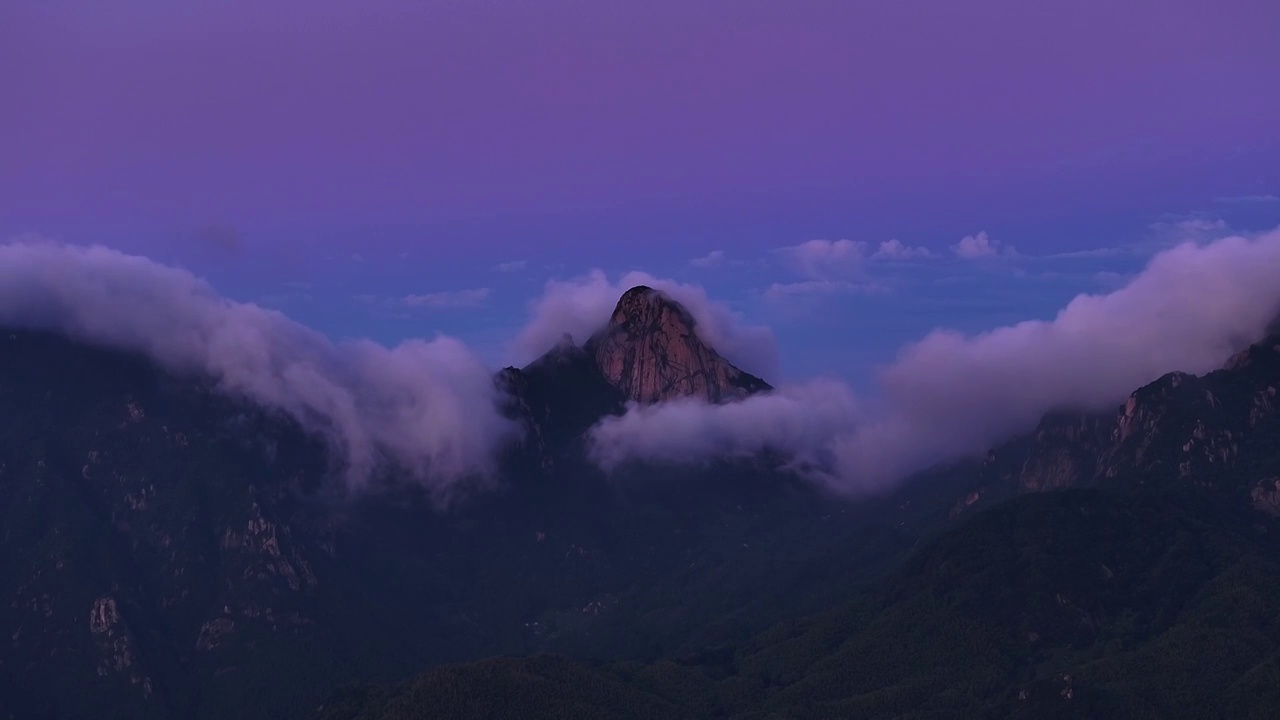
(450, 300)
(430, 408)
(830, 259)
(796, 420)
(972, 247)
(715, 258)
(895, 250)
(781, 292)
(836, 267)
(582, 305)
(951, 394)
(826, 259)
(1093, 253)
(1190, 228)
(1111, 279)
(1248, 200)
(511, 266)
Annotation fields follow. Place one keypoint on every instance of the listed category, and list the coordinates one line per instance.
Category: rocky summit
(648, 352)
(651, 351)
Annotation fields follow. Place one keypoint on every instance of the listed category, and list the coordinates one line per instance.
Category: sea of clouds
(432, 409)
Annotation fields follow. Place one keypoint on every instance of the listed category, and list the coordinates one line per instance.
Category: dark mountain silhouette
(1069, 604)
(169, 551)
(1127, 566)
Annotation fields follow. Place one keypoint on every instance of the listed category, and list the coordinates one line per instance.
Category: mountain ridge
(1216, 430)
(171, 547)
(176, 551)
(1110, 564)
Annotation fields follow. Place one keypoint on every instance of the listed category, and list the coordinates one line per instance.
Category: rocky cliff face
(154, 537)
(651, 351)
(1218, 430)
(648, 352)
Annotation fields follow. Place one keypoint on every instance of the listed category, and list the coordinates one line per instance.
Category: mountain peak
(650, 350)
(642, 303)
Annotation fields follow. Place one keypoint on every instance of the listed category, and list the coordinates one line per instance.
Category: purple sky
(267, 147)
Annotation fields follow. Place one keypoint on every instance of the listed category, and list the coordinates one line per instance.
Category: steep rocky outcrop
(1218, 430)
(648, 352)
(558, 397)
(651, 351)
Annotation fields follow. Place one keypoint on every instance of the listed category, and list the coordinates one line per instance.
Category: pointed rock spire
(650, 350)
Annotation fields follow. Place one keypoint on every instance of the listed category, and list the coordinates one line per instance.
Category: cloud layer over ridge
(950, 394)
(432, 407)
(428, 407)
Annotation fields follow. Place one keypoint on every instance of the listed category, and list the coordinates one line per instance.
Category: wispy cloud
(838, 267)
(896, 250)
(511, 266)
(779, 292)
(1197, 225)
(715, 258)
(1091, 253)
(1248, 200)
(981, 245)
(1194, 228)
(1111, 280)
(826, 259)
(449, 300)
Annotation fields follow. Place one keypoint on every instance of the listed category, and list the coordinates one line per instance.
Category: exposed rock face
(1211, 430)
(1266, 496)
(1062, 452)
(651, 352)
(648, 352)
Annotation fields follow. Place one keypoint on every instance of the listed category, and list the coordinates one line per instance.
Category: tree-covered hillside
(1070, 604)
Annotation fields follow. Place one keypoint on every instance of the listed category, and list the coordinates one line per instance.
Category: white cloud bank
(431, 407)
(951, 394)
(428, 407)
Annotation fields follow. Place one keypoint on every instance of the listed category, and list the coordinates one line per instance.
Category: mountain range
(171, 550)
